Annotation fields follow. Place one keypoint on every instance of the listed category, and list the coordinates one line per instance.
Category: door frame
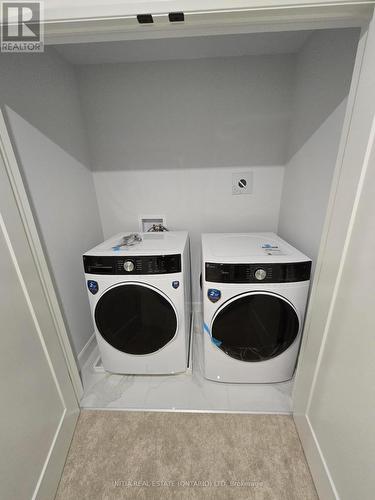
(8, 156)
(118, 21)
(276, 16)
(21, 243)
(357, 139)
(270, 17)
(350, 165)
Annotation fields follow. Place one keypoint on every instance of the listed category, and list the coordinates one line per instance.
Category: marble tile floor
(183, 392)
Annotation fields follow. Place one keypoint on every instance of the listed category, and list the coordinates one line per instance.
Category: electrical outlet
(242, 183)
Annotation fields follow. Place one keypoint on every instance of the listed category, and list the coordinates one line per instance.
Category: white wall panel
(63, 198)
(42, 88)
(307, 184)
(323, 75)
(48, 132)
(198, 200)
(215, 112)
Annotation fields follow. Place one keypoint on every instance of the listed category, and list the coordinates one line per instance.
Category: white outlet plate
(147, 221)
(242, 183)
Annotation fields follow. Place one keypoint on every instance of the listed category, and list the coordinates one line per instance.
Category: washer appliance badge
(93, 286)
(214, 295)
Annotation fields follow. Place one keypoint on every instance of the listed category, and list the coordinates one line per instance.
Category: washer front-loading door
(135, 318)
(255, 326)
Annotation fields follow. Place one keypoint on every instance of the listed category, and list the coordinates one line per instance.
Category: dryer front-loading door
(135, 318)
(255, 326)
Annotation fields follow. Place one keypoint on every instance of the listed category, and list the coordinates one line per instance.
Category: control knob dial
(260, 274)
(128, 266)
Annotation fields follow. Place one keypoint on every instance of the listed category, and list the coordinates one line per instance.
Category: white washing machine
(140, 302)
(255, 289)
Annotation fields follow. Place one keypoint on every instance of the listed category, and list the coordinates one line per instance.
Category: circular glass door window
(255, 327)
(135, 319)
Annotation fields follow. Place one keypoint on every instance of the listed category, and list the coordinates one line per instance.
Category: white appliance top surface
(248, 248)
(168, 242)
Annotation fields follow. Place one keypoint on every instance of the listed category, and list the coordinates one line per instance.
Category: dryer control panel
(132, 265)
(257, 273)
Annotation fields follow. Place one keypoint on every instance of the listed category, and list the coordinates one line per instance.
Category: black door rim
(248, 294)
(152, 288)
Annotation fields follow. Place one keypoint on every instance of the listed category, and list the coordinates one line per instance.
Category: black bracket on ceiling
(145, 18)
(176, 17)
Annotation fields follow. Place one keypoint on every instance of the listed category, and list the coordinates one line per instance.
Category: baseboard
(323, 481)
(189, 369)
(86, 351)
(50, 476)
(196, 307)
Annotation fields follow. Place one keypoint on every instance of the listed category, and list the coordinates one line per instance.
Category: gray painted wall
(166, 136)
(199, 200)
(164, 139)
(42, 89)
(45, 122)
(216, 112)
(323, 76)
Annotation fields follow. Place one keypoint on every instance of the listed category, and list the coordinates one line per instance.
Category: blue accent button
(175, 284)
(93, 286)
(213, 294)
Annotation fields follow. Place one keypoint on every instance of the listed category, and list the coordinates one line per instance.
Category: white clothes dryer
(255, 289)
(140, 302)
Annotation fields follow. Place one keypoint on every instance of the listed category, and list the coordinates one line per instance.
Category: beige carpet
(119, 454)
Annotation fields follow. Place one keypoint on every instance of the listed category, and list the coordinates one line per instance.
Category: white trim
(365, 166)
(189, 369)
(49, 454)
(197, 306)
(31, 309)
(86, 351)
(97, 364)
(323, 480)
(11, 165)
(319, 469)
(178, 410)
(124, 10)
(355, 157)
(201, 22)
(297, 393)
(26, 266)
(54, 463)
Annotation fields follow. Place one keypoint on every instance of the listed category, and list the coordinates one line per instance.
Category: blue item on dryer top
(128, 241)
(213, 294)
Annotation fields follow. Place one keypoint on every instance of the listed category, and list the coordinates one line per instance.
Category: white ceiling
(184, 48)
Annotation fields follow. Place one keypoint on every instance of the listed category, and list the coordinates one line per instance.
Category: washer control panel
(139, 264)
(255, 273)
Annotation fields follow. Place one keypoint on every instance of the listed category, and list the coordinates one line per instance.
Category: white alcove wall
(39, 95)
(101, 144)
(323, 74)
(166, 136)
